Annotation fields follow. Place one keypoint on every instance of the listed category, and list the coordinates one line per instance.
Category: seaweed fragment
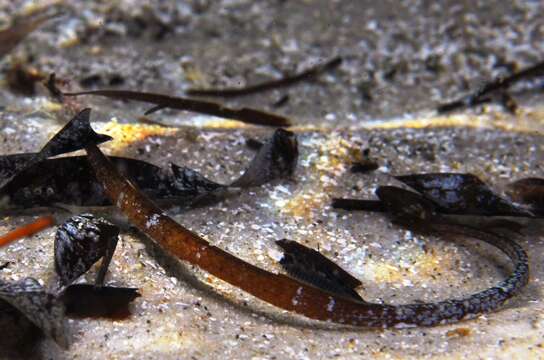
(71, 180)
(80, 242)
(358, 204)
(40, 307)
(406, 206)
(276, 158)
(85, 300)
(247, 115)
(461, 194)
(12, 36)
(192, 182)
(438, 193)
(51, 86)
(311, 267)
(269, 85)
(528, 191)
(22, 79)
(496, 87)
(75, 135)
(366, 164)
(253, 144)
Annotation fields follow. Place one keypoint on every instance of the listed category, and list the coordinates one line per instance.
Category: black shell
(80, 242)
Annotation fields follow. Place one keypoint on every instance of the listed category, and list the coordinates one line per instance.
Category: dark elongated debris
(51, 85)
(529, 191)
(41, 308)
(253, 144)
(365, 164)
(495, 87)
(85, 300)
(80, 242)
(358, 204)
(405, 205)
(191, 181)
(311, 267)
(71, 181)
(10, 165)
(247, 115)
(461, 194)
(75, 135)
(12, 36)
(364, 167)
(276, 158)
(269, 85)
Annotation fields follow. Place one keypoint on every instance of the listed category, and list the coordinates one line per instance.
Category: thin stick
(496, 86)
(269, 85)
(247, 115)
(27, 230)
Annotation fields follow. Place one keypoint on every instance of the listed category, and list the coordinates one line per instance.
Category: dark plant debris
(446, 193)
(276, 159)
(22, 79)
(40, 307)
(311, 267)
(366, 164)
(86, 300)
(51, 85)
(80, 242)
(497, 88)
(246, 115)
(12, 36)
(282, 100)
(529, 191)
(71, 181)
(461, 194)
(269, 85)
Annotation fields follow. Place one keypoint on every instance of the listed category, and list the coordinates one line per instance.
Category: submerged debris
(277, 158)
(405, 205)
(461, 194)
(80, 242)
(40, 307)
(529, 191)
(22, 79)
(444, 193)
(311, 267)
(71, 181)
(247, 115)
(86, 300)
(269, 85)
(73, 136)
(497, 87)
(12, 36)
(365, 164)
(51, 85)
